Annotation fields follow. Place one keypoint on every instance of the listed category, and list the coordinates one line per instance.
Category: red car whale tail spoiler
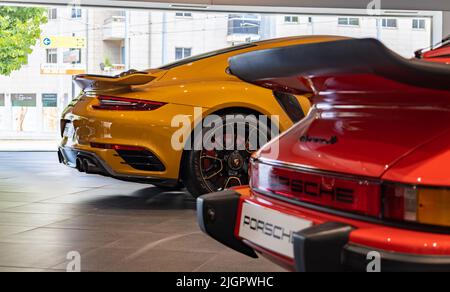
(340, 68)
(124, 81)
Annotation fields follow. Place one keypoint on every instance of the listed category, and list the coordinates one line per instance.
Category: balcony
(238, 38)
(114, 28)
(243, 28)
(114, 69)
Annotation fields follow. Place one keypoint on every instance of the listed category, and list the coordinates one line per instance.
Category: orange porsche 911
(125, 126)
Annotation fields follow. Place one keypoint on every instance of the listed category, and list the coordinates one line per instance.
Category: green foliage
(108, 62)
(19, 31)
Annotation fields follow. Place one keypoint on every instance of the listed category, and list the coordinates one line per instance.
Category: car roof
(278, 42)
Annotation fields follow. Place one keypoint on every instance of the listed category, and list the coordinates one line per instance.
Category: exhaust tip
(79, 165)
(60, 157)
(90, 167)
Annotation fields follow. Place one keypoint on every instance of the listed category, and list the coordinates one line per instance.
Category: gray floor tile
(114, 225)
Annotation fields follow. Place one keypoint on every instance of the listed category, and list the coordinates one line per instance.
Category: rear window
(206, 55)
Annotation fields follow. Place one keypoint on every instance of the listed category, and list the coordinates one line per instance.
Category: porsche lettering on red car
(367, 171)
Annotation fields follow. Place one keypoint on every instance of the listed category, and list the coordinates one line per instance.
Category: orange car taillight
(417, 204)
(356, 196)
(113, 103)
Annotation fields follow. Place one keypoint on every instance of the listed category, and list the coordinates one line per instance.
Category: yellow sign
(62, 69)
(53, 42)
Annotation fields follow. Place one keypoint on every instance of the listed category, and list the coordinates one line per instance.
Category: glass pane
(187, 53)
(98, 44)
(178, 53)
(354, 21)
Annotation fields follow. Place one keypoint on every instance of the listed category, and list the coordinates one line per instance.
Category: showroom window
(182, 53)
(153, 45)
(52, 56)
(418, 24)
(391, 23)
(76, 13)
(289, 19)
(348, 21)
(183, 14)
(52, 14)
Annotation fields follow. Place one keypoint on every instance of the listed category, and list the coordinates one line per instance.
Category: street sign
(47, 41)
(54, 42)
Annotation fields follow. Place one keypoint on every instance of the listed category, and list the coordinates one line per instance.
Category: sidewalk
(28, 145)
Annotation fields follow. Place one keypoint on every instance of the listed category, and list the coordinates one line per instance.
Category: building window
(348, 21)
(291, 19)
(52, 13)
(418, 24)
(183, 14)
(182, 53)
(76, 13)
(244, 24)
(52, 56)
(389, 23)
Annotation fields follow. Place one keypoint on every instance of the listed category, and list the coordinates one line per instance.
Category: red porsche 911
(361, 184)
(439, 54)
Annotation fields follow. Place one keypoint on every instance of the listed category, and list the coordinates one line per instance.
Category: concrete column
(446, 24)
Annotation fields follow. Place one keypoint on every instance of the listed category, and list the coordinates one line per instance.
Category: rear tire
(206, 171)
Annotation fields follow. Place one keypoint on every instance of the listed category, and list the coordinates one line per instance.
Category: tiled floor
(48, 210)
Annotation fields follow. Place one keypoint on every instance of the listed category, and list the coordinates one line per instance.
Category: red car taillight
(117, 147)
(126, 104)
(357, 196)
(361, 196)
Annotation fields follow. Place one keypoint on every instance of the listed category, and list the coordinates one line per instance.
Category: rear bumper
(326, 246)
(69, 157)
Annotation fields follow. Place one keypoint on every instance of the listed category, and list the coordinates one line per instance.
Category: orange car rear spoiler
(358, 66)
(124, 81)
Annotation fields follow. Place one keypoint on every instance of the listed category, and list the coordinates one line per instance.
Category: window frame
(184, 15)
(253, 19)
(419, 21)
(183, 53)
(385, 21)
(349, 21)
(51, 56)
(291, 17)
(52, 14)
(76, 15)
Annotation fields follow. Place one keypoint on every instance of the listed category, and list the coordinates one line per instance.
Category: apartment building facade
(110, 41)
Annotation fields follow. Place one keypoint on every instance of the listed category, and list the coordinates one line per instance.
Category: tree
(19, 31)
